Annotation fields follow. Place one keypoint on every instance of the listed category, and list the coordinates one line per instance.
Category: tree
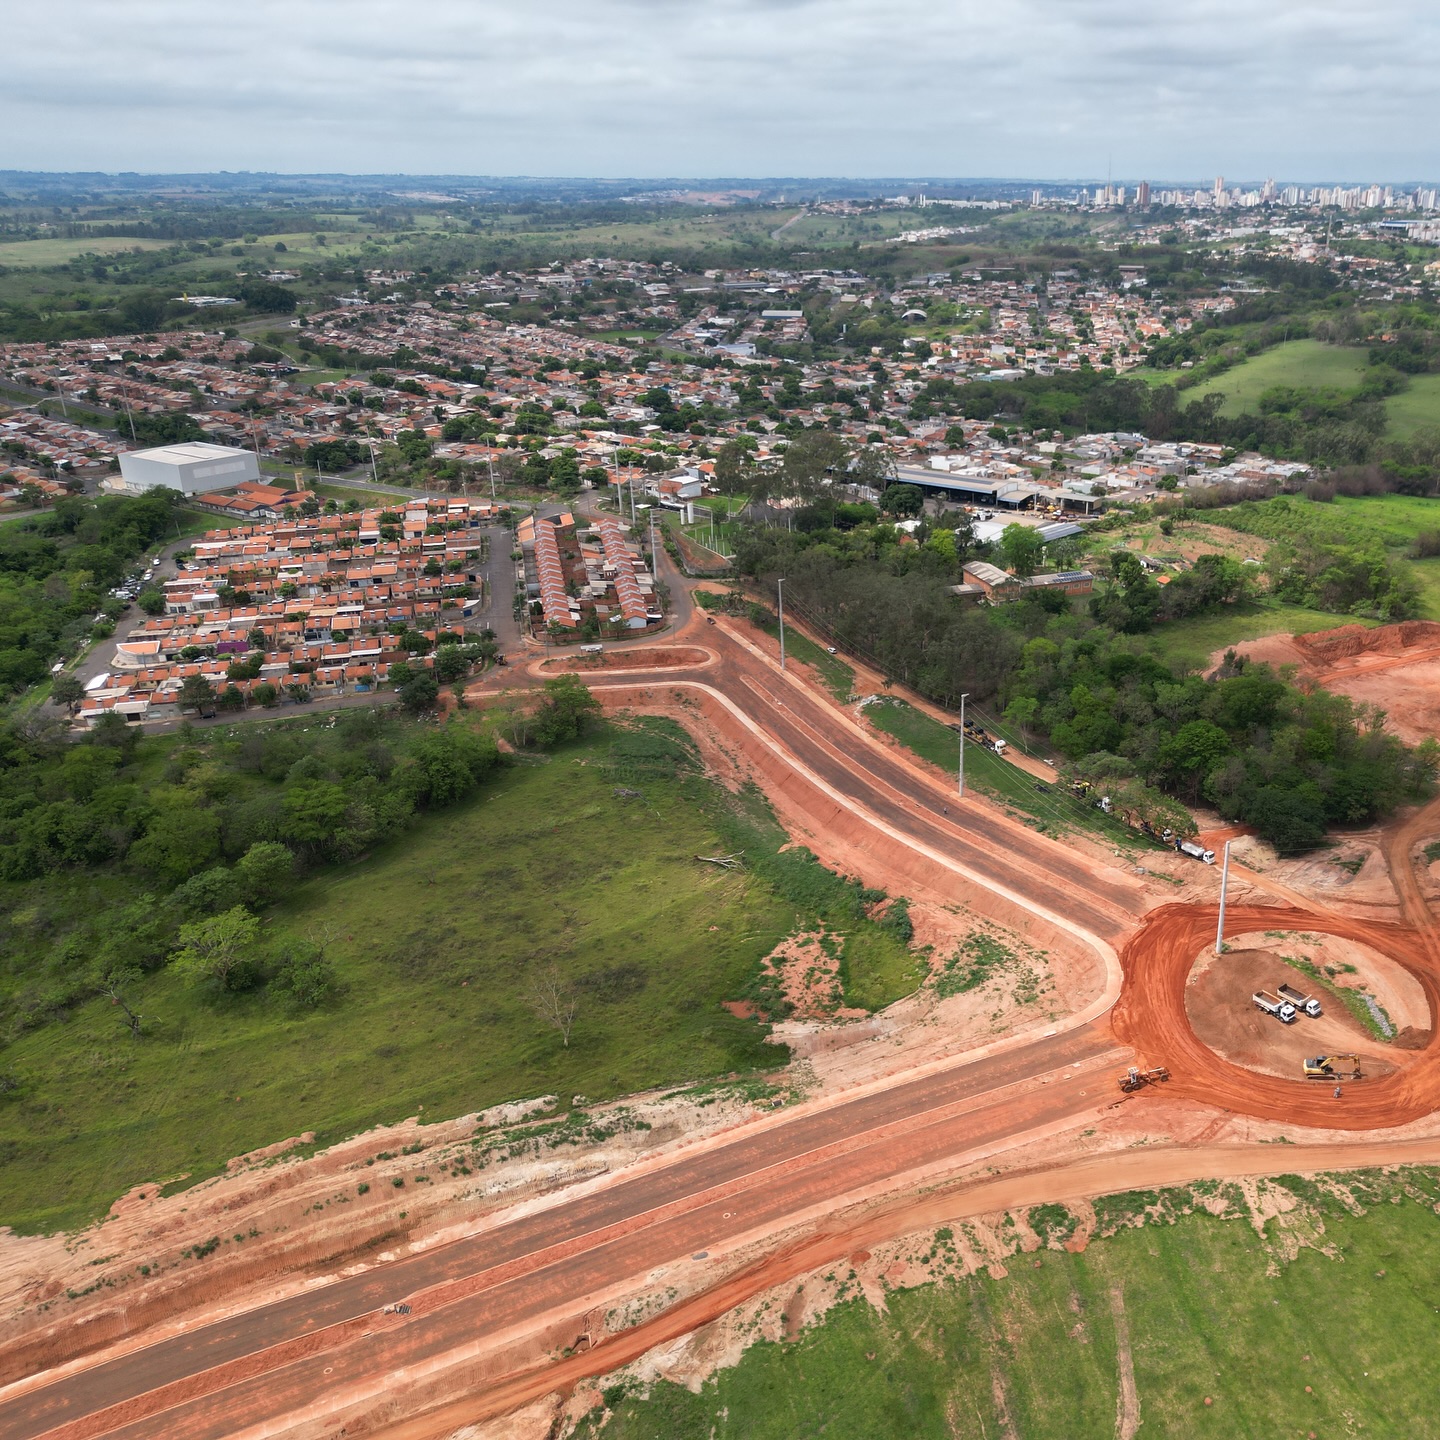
(264, 872)
(452, 663)
(303, 972)
(734, 472)
(151, 601)
(1021, 713)
(268, 298)
(565, 472)
(415, 446)
(553, 999)
(196, 693)
(902, 500)
(565, 712)
(420, 692)
(810, 458)
(267, 695)
(179, 843)
(66, 689)
(219, 950)
(1023, 549)
(116, 984)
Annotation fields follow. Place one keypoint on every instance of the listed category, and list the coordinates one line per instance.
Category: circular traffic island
(1221, 1008)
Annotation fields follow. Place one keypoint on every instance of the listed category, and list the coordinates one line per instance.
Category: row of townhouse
(153, 693)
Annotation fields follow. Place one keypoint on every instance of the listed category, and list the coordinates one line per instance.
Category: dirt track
(491, 1311)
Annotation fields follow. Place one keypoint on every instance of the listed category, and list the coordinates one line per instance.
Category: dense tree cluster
(194, 840)
(56, 571)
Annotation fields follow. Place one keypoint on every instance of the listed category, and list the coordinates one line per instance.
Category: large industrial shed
(193, 468)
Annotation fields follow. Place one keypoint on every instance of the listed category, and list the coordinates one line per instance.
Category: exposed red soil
(1218, 1003)
(1394, 667)
(657, 657)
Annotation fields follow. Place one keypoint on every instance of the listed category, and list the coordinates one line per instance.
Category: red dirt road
(271, 1361)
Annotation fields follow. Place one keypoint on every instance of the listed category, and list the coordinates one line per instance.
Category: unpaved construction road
(328, 1356)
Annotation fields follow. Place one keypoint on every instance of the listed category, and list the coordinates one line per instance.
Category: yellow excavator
(1333, 1067)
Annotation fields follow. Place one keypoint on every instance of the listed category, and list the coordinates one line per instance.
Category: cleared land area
(1178, 1322)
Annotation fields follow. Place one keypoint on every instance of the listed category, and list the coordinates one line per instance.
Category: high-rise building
(1142, 194)
(1218, 189)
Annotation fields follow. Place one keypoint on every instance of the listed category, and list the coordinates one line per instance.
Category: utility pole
(1224, 882)
(490, 461)
(654, 559)
(961, 787)
(780, 602)
(374, 473)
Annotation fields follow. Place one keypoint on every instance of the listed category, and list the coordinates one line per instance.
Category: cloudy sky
(1298, 89)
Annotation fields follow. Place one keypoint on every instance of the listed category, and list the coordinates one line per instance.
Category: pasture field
(1298, 362)
(34, 254)
(1221, 1331)
(582, 862)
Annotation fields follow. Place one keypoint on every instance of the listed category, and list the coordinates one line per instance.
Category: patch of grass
(980, 956)
(1052, 810)
(33, 254)
(1417, 407)
(1193, 641)
(438, 938)
(1335, 1344)
(1307, 363)
(838, 677)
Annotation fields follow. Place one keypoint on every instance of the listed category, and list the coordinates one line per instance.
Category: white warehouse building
(192, 467)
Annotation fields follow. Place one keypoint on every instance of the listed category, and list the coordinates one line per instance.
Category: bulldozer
(1333, 1067)
(1136, 1079)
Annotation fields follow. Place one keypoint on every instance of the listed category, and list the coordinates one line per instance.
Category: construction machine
(1333, 1067)
(1136, 1079)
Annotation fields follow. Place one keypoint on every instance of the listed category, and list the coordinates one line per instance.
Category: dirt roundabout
(1153, 1015)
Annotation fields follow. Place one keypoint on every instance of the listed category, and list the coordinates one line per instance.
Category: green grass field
(1299, 362)
(1416, 408)
(1322, 1344)
(34, 254)
(1313, 364)
(437, 938)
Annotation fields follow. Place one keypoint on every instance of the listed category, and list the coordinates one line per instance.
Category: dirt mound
(656, 657)
(1325, 647)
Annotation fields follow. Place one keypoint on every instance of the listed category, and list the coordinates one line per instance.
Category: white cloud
(1299, 88)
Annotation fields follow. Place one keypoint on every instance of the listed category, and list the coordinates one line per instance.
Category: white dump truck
(1282, 1010)
(1300, 1000)
(1195, 852)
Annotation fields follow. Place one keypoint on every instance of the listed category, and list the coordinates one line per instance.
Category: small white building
(192, 467)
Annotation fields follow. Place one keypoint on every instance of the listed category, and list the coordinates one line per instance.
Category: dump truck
(1282, 1010)
(1333, 1067)
(1300, 1000)
(1136, 1079)
(1195, 852)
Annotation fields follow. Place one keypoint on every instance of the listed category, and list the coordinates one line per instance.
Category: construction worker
(1337, 1092)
